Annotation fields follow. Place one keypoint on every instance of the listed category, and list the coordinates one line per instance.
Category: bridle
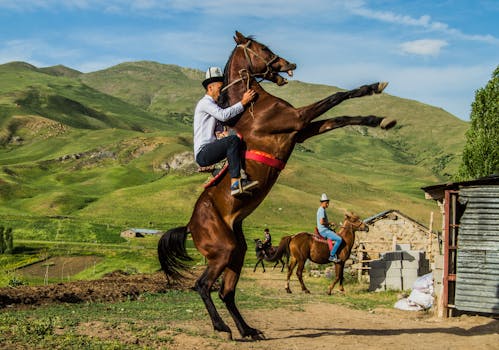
(354, 226)
(244, 73)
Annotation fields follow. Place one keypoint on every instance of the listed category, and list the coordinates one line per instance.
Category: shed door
(477, 277)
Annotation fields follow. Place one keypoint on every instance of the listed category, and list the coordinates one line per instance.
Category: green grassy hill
(99, 148)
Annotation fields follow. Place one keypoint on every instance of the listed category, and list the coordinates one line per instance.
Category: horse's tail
(172, 253)
(282, 249)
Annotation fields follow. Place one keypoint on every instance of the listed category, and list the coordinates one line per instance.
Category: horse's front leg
(322, 126)
(310, 112)
(299, 274)
(338, 270)
(203, 286)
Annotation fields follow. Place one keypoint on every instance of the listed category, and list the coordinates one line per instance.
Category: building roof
(145, 231)
(384, 214)
(437, 192)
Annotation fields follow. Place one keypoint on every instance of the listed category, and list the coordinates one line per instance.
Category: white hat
(213, 74)
(324, 198)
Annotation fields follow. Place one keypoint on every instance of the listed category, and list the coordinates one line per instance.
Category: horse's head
(262, 62)
(258, 244)
(356, 223)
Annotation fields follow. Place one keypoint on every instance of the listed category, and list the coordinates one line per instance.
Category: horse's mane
(223, 99)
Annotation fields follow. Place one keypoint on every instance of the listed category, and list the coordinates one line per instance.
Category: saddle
(321, 239)
(217, 176)
(255, 155)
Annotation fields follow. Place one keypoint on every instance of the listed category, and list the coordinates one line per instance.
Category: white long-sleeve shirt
(205, 118)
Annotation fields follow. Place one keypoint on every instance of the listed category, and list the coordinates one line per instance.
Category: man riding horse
(270, 130)
(208, 149)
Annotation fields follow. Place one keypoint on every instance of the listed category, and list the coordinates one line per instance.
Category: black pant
(228, 147)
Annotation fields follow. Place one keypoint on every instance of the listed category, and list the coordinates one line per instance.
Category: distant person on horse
(324, 226)
(209, 150)
(267, 240)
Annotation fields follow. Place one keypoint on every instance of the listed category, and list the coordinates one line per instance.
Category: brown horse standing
(270, 128)
(303, 246)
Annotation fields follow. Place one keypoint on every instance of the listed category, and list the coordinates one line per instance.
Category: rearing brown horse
(270, 129)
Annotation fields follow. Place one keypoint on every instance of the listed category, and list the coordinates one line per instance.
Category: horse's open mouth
(280, 80)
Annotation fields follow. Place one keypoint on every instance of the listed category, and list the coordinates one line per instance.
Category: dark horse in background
(304, 245)
(271, 127)
(262, 253)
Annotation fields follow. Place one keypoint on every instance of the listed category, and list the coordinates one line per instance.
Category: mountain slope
(27, 90)
(155, 87)
(115, 146)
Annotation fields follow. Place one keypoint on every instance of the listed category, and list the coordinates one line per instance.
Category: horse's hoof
(387, 123)
(257, 335)
(306, 291)
(381, 86)
(288, 290)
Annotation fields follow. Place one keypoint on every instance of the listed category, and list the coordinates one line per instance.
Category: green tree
(481, 152)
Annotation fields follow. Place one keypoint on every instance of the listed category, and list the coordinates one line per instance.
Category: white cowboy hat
(213, 74)
(324, 198)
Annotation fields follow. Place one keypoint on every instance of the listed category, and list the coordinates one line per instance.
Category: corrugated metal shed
(477, 278)
(470, 280)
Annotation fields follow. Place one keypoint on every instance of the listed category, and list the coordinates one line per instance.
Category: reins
(351, 223)
(243, 73)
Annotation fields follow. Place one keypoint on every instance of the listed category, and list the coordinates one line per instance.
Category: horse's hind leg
(283, 264)
(291, 267)
(216, 242)
(227, 295)
(299, 274)
(228, 288)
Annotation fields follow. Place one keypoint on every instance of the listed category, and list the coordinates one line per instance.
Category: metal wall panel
(477, 280)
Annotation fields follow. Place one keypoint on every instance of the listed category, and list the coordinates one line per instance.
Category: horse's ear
(240, 39)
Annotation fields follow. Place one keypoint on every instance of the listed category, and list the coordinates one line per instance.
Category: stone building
(391, 230)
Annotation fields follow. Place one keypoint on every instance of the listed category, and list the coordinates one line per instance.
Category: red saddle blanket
(321, 239)
(255, 155)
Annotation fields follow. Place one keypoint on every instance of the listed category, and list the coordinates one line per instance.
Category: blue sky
(437, 52)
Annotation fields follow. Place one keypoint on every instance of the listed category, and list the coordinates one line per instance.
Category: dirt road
(316, 326)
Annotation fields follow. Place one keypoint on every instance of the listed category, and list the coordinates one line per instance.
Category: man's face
(214, 89)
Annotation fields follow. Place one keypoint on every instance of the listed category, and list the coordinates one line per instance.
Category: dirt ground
(319, 326)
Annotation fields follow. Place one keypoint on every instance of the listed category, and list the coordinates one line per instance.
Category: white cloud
(451, 88)
(423, 47)
(425, 21)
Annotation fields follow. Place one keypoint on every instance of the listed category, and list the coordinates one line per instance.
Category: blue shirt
(205, 119)
(321, 213)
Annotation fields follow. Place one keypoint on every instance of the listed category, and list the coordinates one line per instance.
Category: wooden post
(361, 263)
(430, 238)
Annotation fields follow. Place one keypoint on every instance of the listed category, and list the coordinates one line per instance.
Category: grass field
(86, 156)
